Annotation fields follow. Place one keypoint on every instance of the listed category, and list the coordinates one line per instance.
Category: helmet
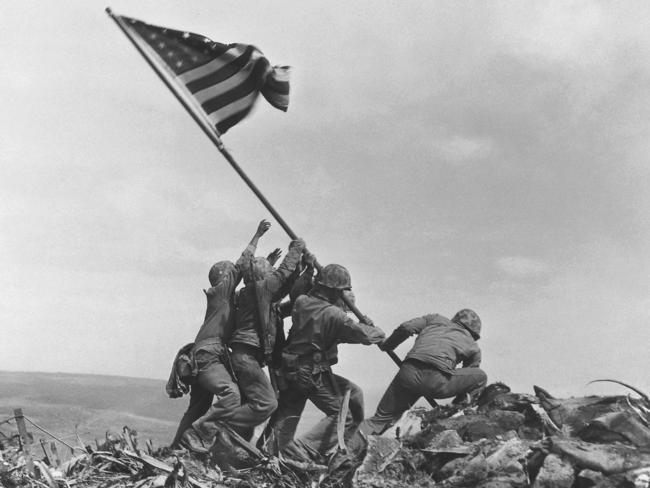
(470, 320)
(218, 270)
(334, 276)
(258, 268)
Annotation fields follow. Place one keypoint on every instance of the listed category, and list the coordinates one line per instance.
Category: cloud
(521, 267)
(458, 148)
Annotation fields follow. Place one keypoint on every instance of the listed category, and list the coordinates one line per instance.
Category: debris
(380, 452)
(617, 426)
(555, 473)
(606, 458)
(504, 440)
(509, 457)
(448, 442)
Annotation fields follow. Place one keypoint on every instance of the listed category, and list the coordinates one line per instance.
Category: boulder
(593, 479)
(408, 425)
(509, 457)
(473, 473)
(555, 473)
(380, 452)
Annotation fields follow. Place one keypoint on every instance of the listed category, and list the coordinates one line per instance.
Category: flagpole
(213, 135)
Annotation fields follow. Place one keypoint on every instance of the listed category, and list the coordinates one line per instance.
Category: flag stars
(152, 35)
(186, 35)
(161, 45)
(179, 64)
(170, 54)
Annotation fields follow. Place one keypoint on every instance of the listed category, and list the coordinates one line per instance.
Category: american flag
(224, 79)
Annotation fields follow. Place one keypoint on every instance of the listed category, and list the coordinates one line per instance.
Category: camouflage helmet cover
(218, 270)
(470, 320)
(334, 276)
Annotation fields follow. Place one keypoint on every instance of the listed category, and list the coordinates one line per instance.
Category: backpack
(183, 373)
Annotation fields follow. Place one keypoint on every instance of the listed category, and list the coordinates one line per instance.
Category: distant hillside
(94, 404)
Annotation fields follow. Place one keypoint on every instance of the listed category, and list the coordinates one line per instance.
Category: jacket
(255, 308)
(318, 326)
(219, 317)
(440, 342)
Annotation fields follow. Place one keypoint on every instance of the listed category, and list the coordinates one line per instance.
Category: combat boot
(192, 441)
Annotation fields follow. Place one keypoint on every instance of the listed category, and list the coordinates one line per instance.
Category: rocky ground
(502, 439)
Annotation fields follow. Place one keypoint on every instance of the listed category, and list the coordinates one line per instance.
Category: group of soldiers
(243, 332)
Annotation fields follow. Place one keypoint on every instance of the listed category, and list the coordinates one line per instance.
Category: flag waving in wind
(224, 80)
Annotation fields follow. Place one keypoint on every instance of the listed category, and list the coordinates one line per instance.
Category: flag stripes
(224, 80)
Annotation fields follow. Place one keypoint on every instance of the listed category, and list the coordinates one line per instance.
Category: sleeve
(246, 256)
(473, 359)
(303, 284)
(351, 332)
(275, 282)
(404, 331)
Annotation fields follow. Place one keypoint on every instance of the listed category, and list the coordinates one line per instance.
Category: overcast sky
(489, 155)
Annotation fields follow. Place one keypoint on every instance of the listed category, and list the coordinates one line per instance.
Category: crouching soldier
(429, 369)
(210, 353)
(319, 323)
(255, 334)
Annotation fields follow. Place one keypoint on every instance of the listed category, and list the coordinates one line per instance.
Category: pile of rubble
(517, 440)
(503, 439)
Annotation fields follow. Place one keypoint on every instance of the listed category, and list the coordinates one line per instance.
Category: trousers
(258, 400)
(325, 390)
(416, 379)
(213, 397)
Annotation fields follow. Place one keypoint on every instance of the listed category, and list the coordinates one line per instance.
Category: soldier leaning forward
(429, 369)
(208, 354)
(319, 323)
(255, 334)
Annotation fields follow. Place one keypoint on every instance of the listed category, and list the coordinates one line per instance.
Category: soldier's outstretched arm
(360, 333)
(403, 332)
(249, 252)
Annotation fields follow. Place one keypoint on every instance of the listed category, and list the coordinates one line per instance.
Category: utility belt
(255, 351)
(314, 363)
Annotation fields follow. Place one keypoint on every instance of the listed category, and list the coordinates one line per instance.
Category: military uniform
(211, 355)
(253, 341)
(317, 327)
(429, 369)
